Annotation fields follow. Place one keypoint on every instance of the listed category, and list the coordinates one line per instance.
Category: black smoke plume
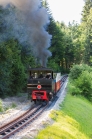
(26, 20)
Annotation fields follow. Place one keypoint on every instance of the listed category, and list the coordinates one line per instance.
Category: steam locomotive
(43, 84)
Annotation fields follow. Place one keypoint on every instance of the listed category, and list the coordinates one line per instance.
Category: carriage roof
(40, 69)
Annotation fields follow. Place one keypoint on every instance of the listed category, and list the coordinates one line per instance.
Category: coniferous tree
(87, 30)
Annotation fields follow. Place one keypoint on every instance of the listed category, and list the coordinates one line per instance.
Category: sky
(66, 10)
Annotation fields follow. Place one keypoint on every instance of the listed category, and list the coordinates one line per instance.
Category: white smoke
(28, 23)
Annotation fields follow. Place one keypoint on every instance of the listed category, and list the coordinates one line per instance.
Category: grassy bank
(73, 121)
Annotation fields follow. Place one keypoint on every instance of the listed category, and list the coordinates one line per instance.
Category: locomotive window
(40, 74)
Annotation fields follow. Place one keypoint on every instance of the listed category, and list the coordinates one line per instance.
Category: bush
(76, 71)
(73, 89)
(81, 81)
(84, 83)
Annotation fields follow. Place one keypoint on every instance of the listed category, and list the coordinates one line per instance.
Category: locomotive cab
(40, 84)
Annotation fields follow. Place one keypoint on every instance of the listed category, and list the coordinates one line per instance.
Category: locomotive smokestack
(35, 18)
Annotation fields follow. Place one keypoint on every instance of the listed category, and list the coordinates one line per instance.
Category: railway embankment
(72, 120)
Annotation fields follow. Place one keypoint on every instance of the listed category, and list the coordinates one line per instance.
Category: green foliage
(73, 89)
(52, 64)
(86, 10)
(84, 83)
(87, 31)
(18, 76)
(12, 70)
(81, 81)
(76, 45)
(57, 47)
(5, 68)
(76, 70)
(67, 45)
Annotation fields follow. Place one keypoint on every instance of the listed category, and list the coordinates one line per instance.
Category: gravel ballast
(31, 130)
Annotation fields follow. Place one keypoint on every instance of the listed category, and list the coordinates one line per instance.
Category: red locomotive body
(43, 84)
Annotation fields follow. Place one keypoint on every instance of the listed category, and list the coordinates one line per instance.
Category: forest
(70, 45)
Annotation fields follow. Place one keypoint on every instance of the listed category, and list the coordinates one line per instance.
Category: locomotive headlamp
(39, 86)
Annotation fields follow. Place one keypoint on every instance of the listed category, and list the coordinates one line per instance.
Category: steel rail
(6, 133)
(16, 118)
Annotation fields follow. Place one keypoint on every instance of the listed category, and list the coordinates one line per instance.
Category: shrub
(80, 81)
(76, 71)
(73, 89)
(84, 83)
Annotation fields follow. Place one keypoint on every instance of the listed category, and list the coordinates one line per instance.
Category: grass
(72, 121)
(80, 109)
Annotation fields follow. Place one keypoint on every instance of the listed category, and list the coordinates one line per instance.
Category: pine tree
(87, 30)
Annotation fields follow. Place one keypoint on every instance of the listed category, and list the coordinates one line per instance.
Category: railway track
(9, 129)
(15, 125)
